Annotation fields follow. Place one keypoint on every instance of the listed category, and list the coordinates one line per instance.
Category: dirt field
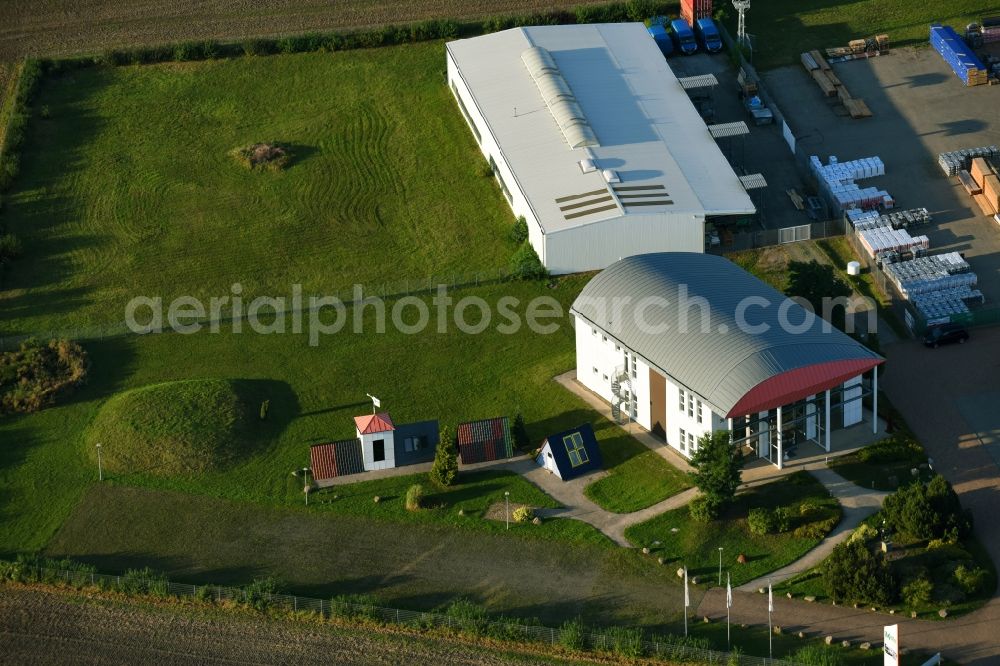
(64, 627)
(51, 27)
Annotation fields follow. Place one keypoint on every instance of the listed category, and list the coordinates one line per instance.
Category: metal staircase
(621, 395)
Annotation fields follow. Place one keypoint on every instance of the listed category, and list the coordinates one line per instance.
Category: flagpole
(770, 631)
(729, 604)
(686, 601)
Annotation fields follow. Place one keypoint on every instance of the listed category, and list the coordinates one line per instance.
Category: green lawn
(785, 28)
(127, 188)
(637, 478)
(688, 542)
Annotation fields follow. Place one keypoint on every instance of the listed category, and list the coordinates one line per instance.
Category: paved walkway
(857, 504)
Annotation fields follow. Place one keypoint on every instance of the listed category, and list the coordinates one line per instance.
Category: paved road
(938, 392)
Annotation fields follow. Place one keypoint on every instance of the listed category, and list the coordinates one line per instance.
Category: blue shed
(570, 453)
(662, 38)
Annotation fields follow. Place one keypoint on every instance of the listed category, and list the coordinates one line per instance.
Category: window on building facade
(682, 440)
(680, 394)
(595, 369)
(690, 406)
(691, 442)
(698, 411)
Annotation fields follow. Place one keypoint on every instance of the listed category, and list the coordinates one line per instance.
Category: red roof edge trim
(794, 385)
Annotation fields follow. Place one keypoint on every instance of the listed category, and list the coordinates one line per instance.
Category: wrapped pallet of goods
(954, 161)
(958, 55)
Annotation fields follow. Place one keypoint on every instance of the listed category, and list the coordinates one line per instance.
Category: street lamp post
(100, 464)
(305, 471)
(506, 502)
(720, 565)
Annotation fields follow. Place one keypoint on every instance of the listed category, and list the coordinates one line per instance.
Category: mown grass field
(314, 392)
(128, 188)
(688, 542)
(785, 28)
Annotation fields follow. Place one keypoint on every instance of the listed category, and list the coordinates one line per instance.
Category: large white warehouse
(593, 140)
(686, 344)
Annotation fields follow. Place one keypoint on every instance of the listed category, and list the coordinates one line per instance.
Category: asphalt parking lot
(763, 151)
(920, 108)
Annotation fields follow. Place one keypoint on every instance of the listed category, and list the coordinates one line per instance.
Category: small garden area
(886, 464)
(769, 526)
(933, 567)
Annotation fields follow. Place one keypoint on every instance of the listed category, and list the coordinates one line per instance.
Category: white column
(826, 424)
(875, 401)
(781, 450)
(729, 423)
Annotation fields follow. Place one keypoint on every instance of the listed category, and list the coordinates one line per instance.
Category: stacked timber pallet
(956, 160)
(821, 72)
(860, 48)
(962, 60)
(983, 185)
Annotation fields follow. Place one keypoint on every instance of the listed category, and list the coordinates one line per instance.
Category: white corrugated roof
(648, 131)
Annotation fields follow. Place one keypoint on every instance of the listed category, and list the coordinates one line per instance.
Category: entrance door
(658, 404)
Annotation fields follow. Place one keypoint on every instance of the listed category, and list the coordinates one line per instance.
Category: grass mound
(185, 427)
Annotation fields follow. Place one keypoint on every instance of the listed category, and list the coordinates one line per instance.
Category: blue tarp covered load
(958, 55)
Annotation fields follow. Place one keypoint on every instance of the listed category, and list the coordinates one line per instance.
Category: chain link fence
(674, 649)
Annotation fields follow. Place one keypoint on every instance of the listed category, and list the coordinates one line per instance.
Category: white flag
(687, 597)
(375, 401)
(729, 592)
(770, 599)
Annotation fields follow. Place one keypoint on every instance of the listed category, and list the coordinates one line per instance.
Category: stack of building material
(984, 186)
(837, 181)
(692, 10)
(863, 220)
(938, 285)
(881, 241)
(821, 72)
(953, 162)
(958, 55)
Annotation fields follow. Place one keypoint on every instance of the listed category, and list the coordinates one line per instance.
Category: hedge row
(17, 123)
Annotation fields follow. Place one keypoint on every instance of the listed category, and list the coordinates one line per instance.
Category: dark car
(945, 334)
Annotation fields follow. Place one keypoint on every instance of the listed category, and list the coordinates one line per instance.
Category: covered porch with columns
(834, 421)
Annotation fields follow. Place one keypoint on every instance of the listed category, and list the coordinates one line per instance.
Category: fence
(674, 649)
(750, 240)
(388, 291)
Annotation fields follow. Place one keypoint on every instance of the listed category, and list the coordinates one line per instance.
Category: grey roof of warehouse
(644, 125)
(723, 362)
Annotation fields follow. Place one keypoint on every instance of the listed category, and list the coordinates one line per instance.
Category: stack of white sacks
(838, 178)
(886, 239)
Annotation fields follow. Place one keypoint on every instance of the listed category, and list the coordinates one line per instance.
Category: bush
(626, 641)
(525, 264)
(816, 529)
(444, 471)
(143, 581)
(32, 377)
(809, 507)
(10, 248)
(271, 156)
(782, 519)
(854, 573)
(519, 232)
(415, 497)
(519, 433)
(258, 594)
(717, 464)
(523, 514)
(468, 617)
(863, 534)
(927, 511)
(571, 634)
(971, 580)
(704, 509)
(818, 655)
(355, 607)
(918, 592)
(760, 521)
(899, 448)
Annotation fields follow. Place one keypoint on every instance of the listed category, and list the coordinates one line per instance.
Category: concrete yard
(920, 108)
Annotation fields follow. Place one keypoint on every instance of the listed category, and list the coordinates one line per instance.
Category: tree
(445, 468)
(815, 282)
(930, 511)
(717, 465)
(854, 573)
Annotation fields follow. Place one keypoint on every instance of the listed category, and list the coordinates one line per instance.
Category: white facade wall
(546, 460)
(490, 148)
(600, 244)
(597, 359)
(688, 421)
(368, 450)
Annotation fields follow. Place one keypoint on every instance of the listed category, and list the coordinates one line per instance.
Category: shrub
(782, 519)
(927, 511)
(519, 432)
(717, 464)
(863, 534)
(918, 591)
(468, 617)
(810, 506)
(143, 581)
(818, 655)
(970, 580)
(760, 521)
(571, 634)
(525, 264)
(444, 471)
(355, 607)
(626, 641)
(271, 156)
(523, 514)
(257, 47)
(258, 594)
(32, 377)
(10, 248)
(704, 509)
(899, 448)
(816, 529)
(519, 232)
(854, 573)
(415, 497)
